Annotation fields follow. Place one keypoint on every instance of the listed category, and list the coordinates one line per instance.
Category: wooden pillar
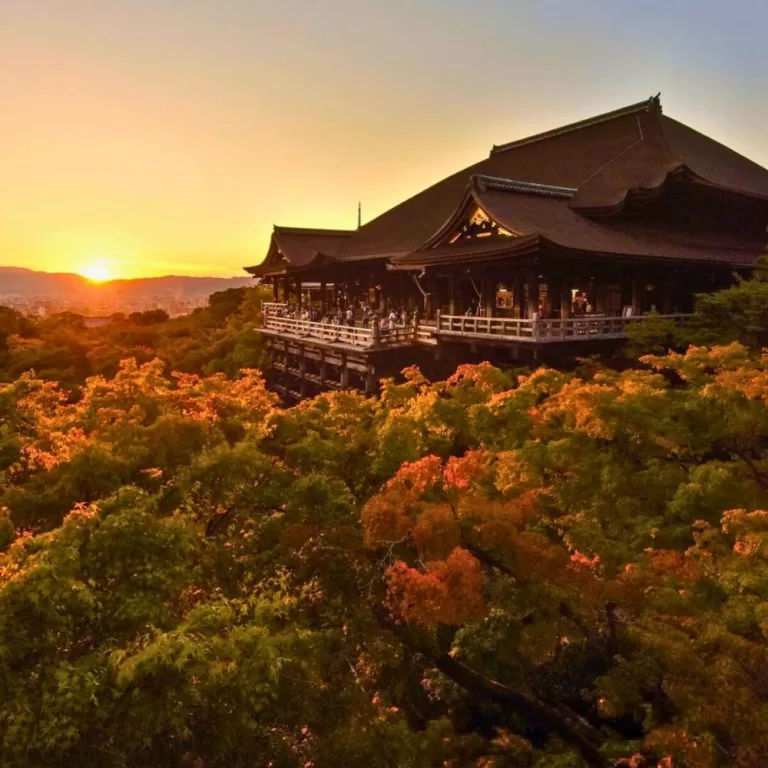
(637, 295)
(489, 294)
(451, 295)
(533, 293)
(600, 291)
(370, 381)
(303, 370)
(286, 289)
(518, 310)
(299, 297)
(549, 301)
(322, 296)
(275, 293)
(344, 372)
(323, 368)
(566, 298)
(665, 289)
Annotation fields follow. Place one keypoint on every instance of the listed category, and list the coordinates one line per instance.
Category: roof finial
(359, 214)
(656, 101)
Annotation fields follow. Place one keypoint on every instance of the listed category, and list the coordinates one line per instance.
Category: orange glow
(96, 272)
(171, 143)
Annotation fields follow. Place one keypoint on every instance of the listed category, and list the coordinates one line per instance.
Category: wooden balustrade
(272, 307)
(340, 334)
(542, 331)
(512, 329)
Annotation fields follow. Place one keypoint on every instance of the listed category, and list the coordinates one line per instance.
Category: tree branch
(580, 735)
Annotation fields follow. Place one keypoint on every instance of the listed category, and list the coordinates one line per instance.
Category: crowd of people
(355, 314)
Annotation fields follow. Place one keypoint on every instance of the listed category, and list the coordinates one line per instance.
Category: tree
(536, 570)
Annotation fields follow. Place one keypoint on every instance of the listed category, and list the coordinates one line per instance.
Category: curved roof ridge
(483, 183)
(654, 102)
(311, 231)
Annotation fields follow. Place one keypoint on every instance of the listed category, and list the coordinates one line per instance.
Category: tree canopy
(549, 568)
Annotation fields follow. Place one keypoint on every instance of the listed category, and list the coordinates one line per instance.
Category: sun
(96, 272)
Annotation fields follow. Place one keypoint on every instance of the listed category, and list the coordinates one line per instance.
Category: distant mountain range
(27, 283)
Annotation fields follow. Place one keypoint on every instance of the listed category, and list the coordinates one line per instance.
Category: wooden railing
(273, 307)
(543, 331)
(502, 328)
(342, 334)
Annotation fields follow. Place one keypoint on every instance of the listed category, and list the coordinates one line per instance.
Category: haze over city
(143, 139)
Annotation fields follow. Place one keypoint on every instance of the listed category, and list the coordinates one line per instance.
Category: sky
(149, 137)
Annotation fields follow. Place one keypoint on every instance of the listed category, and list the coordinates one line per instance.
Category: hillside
(28, 283)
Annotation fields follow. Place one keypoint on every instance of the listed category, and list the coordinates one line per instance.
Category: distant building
(554, 243)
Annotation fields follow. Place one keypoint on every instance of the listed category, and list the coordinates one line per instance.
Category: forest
(508, 568)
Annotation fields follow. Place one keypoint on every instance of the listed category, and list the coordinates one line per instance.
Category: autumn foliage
(534, 569)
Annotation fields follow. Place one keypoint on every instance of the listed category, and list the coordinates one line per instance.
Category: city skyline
(141, 141)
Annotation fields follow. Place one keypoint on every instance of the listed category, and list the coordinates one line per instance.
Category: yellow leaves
(751, 383)
(483, 376)
(447, 592)
(514, 474)
(578, 405)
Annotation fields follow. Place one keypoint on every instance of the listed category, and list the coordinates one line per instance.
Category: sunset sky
(148, 137)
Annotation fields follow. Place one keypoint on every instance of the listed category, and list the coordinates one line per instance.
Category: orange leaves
(385, 521)
(415, 477)
(446, 592)
(483, 376)
(461, 473)
(749, 531)
(400, 512)
(579, 406)
(435, 533)
(214, 398)
(581, 561)
(389, 516)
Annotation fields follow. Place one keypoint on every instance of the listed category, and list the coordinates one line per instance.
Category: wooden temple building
(552, 245)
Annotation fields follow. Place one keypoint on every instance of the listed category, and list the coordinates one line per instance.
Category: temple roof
(555, 184)
(298, 249)
(538, 219)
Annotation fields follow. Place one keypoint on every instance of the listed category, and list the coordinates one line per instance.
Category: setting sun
(97, 272)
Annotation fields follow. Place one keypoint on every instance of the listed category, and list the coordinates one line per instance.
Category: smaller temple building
(552, 245)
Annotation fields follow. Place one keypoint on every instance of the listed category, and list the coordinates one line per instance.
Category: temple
(551, 246)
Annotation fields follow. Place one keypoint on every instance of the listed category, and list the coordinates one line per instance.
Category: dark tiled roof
(561, 177)
(552, 221)
(632, 109)
(299, 247)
